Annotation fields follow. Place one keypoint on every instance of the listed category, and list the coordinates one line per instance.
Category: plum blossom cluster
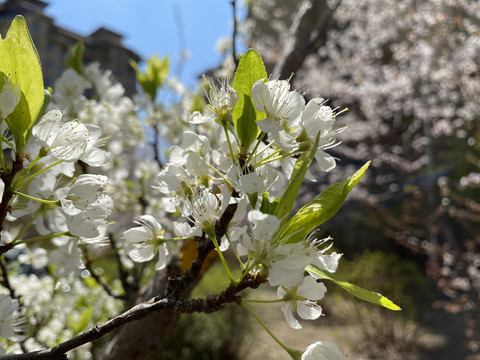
(77, 199)
(204, 178)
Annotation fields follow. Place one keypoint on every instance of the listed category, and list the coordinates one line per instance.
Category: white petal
(137, 234)
(311, 290)
(308, 310)
(325, 161)
(288, 312)
(141, 253)
(47, 129)
(162, 258)
(269, 125)
(324, 350)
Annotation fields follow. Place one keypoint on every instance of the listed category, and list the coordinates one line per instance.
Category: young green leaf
(18, 32)
(155, 75)
(249, 71)
(75, 57)
(19, 64)
(374, 298)
(322, 208)
(301, 166)
(266, 206)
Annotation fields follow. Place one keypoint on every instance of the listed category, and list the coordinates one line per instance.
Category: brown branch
(313, 17)
(177, 284)
(88, 265)
(8, 178)
(129, 288)
(210, 304)
(156, 146)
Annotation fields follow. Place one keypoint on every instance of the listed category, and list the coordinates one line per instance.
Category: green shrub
(400, 280)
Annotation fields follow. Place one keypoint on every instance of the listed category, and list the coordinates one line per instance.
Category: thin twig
(234, 34)
(129, 288)
(210, 304)
(156, 146)
(88, 265)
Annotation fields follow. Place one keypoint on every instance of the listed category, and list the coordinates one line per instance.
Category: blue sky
(151, 26)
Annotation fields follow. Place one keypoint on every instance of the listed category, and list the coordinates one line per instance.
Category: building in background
(52, 42)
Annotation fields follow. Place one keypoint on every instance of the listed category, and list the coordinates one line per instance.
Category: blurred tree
(409, 72)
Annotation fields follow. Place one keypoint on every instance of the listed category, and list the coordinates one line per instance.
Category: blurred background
(409, 74)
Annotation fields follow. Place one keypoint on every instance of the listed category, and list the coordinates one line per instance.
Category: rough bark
(139, 339)
(305, 36)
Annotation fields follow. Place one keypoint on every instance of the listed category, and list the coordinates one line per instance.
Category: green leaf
(268, 207)
(301, 166)
(249, 71)
(357, 291)
(19, 63)
(154, 76)
(18, 32)
(322, 208)
(75, 57)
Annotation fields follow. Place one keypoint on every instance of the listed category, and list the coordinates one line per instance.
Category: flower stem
(292, 352)
(263, 301)
(25, 228)
(217, 247)
(6, 141)
(229, 143)
(43, 201)
(262, 135)
(43, 237)
(2, 160)
(235, 252)
(20, 183)
(221, 175)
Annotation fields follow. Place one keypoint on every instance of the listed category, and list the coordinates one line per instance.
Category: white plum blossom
(70, 141)
(322, 350)
(302, 299)
(322, 259)
(69, 87)
(204, 208)
(8, 316)
(223, 99)
(285, 263)
(255, 177)
(143, 242)
(317, 118)
(170, 179)
(282, 107)
(193, 155)
(87, 205)
(197, 117)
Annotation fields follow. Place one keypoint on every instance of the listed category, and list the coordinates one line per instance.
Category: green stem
(5, 140)
(24, 181)
(221, 175)
(34, 162)
(2, 160)
(263, 301)
(43, 201)
(43, 237)
(262, 135)
(217, 247)
(235, 252)
(229, 143)
(25, 228)
(277, 340)
(246, 271)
